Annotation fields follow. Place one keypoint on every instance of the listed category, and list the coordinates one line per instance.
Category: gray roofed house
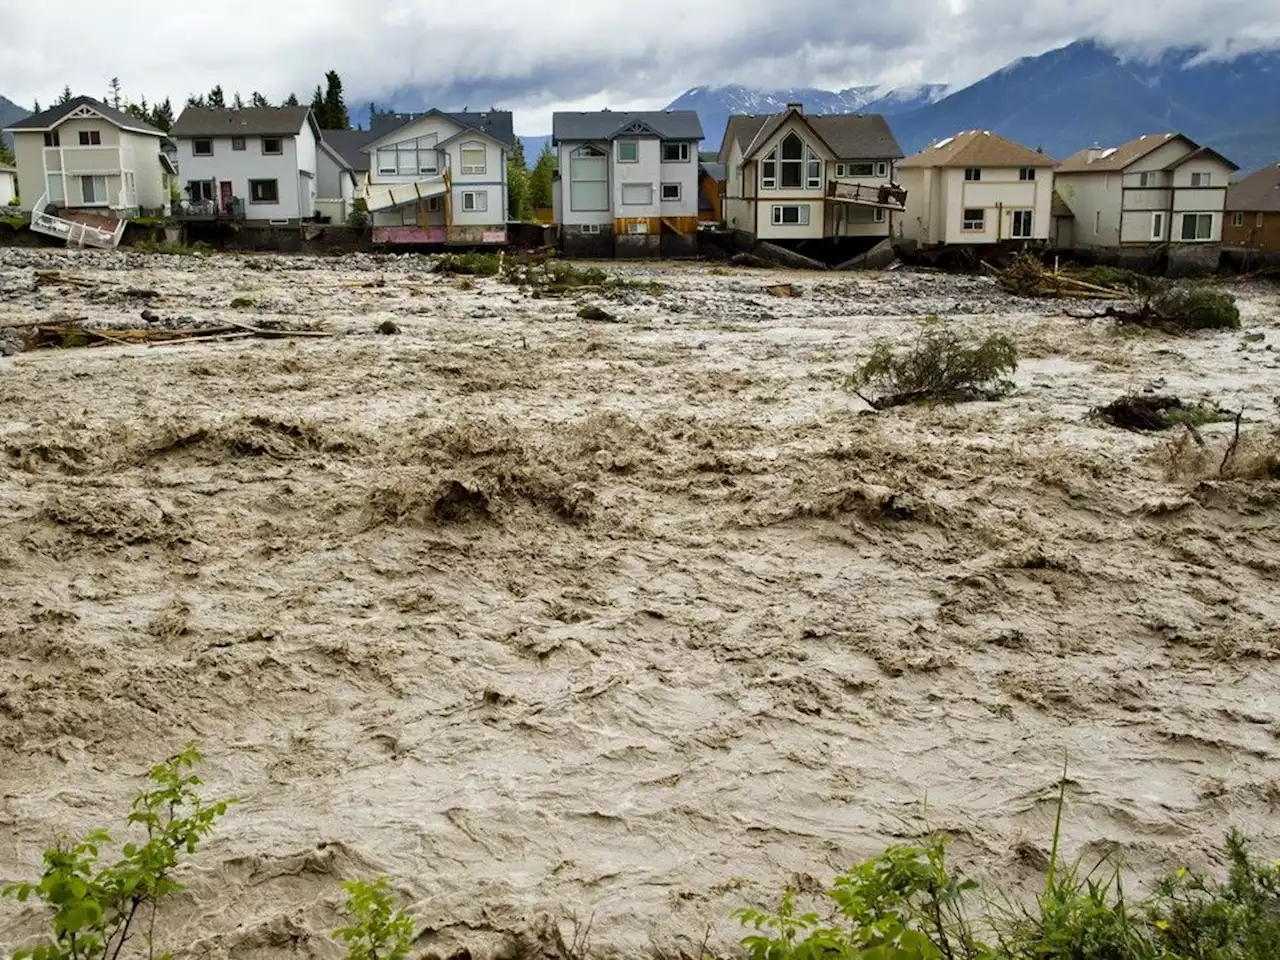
(350, 144)
(497, 124)
(1257, 193)
(849, 136)
(609, 124)
(48, 119)
(246, 122)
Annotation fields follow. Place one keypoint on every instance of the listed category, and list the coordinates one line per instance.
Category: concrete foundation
(629, 246)
(677, 245)
(1191, 260)
(590, 246)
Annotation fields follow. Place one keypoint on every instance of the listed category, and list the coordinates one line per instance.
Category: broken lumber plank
(209, 338)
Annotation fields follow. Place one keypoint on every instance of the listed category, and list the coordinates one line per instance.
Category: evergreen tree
(35, 107)
(318, 107)
(6, 154)
(292, 100)
(236, 102)
(216, 99)
(335, 108)
(518, 206)
(258, 100)
(113, 94)
(162, 115)
(194, 101)
(540, 181)
(67, 96)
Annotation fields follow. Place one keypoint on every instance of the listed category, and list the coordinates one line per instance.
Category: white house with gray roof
(438, 177)
(627, 182)
(793, 177)
(255, 164)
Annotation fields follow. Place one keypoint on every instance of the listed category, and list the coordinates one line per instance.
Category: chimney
(797, 107)
(1093, 153)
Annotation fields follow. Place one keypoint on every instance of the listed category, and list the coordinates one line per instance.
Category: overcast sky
(534, 58)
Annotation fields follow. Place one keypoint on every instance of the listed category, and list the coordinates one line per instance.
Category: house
(336, 180)
(1158, 191)
(255, 164)
(976, 188)
(792, 177)
(349, 145)
(627, 182)
(84, 156)
(438, 177)
(710, 191)
(1253, 212)
(8, 185)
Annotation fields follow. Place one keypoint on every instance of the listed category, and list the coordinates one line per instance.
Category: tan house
(1253, 212)
(976, 187)
(791, 176)
(86, 156)
(1159, 189)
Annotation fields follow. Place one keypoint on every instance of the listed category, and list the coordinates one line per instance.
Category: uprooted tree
(98, 911)
(939, 366)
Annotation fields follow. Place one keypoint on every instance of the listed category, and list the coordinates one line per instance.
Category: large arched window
(792, 164)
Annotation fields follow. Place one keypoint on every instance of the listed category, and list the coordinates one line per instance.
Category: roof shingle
(1112, 159)
(349, 145)
(977, 148)
(849, 136)
(49, 118)
(1257, 193)
(247, 122)
(492, 123)
(605, 124)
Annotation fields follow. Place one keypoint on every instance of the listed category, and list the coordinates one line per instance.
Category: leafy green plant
(1197, 307)
(98, 910)
(377, 929)
(940, 366)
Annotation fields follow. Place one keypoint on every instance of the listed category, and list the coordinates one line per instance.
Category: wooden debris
(57, 276)
(1026, 276)
(782, 290)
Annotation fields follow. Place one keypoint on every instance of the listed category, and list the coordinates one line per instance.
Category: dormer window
(473, 158)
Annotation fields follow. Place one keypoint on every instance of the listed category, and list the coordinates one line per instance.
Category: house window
(791, 215)
(237, 143)
(882, 169)
(628, 151)
(90, 138)
(839, 169)
(975, 218)
(589, 228)
(1022, 224)
(1157, 226)
(264, 191)
(475, 201)
(474, 159)
(1146, 179)
(671, 191)
(1027, 173)
(769, 172)
(814, 172)
(637, 227)
(199, 190)
(93, 191)
(434, 204)
(202, 147)
(1097, 222)
(675, 153)
(859, 169)
(409, 159)
(1197, 226)
(409, 215)
(51, 139)
(588, 179)
(57, 193)
(1201, 179)
(792, 153)
(879, 215)
(1237, 219)
(637, 194)
(972, 174)
(272, 146)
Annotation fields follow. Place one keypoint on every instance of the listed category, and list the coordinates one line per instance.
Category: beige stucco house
(793, 176)
(976, 188)
(84, 155)
(1158, 189)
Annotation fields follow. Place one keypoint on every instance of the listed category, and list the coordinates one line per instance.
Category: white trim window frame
(1027, 174)
(589, 228)
(799, 210)
(589, 193)
(626, 147)
(973, 174)
(469, 165)
(195, 146)
(1201, 230)
(970, 223)
(865, 168)
(635, 189)
(681, 151)
(475, 201)
(1021, 228)
(1201, 179)
(1237, 219)
(97, 192)
(769, 171)
(1147, 179)
(675, 191)
(882, 169)
(90, 138)
(1157, 225)
(839, 170)
(879, 215)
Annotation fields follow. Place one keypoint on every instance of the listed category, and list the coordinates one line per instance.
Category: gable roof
(848, 136)
(248, 121)
(1257, 193)
(48, 119)
(977, 148)
(496, 124)
(1200, 154)
(608, 124)
(1113, 159)
(716, 171)
(349, 145)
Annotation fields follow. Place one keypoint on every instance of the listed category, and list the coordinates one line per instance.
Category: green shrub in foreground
(378, 929)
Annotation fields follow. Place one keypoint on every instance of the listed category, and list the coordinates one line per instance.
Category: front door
(225, 196)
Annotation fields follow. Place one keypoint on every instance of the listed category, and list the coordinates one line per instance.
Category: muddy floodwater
(635, 622)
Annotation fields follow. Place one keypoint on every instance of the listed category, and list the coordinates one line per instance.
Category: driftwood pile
(1028, 277)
